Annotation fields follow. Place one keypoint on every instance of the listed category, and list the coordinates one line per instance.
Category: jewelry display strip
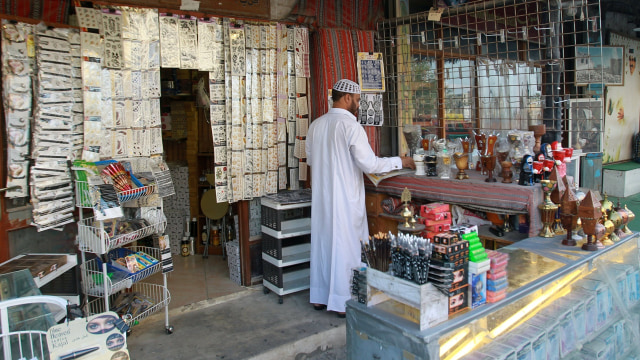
(17, 65)
(56, 127)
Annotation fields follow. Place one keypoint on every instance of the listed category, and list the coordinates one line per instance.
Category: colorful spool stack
(479, 264)
(497, 276)
(449, 267)
(437, 219)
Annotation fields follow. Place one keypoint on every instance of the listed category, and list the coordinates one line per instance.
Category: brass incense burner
(410, 224)
(590, 214)
(609, 227)
(569, 215)
(547, 209)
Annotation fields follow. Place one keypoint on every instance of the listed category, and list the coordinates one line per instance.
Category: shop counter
(473, 193)
(541, 273)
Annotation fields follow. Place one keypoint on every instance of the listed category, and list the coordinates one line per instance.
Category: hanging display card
(99, 337)
(370, 72)
(188, 42)
(206, 40)
(237, 47)
(370, 111)
(169, 41)
(301, 43)
(89, 18)
(112, 31)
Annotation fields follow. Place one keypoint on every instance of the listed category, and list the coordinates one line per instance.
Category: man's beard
(353, 108)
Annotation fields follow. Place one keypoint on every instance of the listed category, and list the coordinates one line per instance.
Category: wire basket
(134, 194)
(96, 239)
(94, 279)
(84, 199)
(159, 294)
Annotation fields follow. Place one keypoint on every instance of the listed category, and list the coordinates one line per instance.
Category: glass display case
(562, 302)
(20, 284)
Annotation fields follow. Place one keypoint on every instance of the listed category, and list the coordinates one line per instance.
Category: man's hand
(407, 162)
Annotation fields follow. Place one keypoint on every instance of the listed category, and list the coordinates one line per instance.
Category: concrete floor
(213, 318)
(195, 279)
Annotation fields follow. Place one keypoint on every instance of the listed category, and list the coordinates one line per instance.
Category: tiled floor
(195, 279)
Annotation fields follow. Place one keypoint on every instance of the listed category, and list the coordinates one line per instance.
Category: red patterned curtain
(350, 14)
(54, 11)
(335, 59)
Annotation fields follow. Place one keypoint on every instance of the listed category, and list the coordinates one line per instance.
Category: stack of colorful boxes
(448, 269)
(478, 264)
(497, 276)
(437, 219)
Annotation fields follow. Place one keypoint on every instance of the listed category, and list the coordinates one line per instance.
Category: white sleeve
(366, 159)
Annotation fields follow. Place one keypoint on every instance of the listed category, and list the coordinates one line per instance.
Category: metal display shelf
(93, 238)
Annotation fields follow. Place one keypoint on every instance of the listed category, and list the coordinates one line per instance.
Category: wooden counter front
(473, 193)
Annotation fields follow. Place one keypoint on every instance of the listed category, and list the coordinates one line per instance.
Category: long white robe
(338, 152)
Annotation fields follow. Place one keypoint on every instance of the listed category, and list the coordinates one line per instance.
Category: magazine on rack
(376, 178)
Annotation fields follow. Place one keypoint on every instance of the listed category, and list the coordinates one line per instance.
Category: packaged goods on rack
(604, 299)
(359, 285)
(130, 180)
(133, 303)
(410, 256)
(129, 261)
(377, 252)
(497, 276)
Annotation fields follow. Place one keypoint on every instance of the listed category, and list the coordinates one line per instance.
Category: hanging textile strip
(337, 60)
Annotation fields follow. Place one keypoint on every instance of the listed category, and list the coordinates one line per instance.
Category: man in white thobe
(338, 152)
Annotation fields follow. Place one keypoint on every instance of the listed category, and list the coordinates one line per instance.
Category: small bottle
(215, 235)
(193, 228)
(184, 247)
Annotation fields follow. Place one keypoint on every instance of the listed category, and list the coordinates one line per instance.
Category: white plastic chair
(26, 344)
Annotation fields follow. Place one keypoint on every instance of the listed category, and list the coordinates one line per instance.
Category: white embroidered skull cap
(347, 86)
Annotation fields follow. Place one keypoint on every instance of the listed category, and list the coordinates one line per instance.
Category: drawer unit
(286, 242)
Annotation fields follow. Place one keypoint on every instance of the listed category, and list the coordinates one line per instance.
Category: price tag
(435, 14)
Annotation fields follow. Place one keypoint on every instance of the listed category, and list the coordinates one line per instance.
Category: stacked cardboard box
(479, 264)
(437, 219)
(448, 269)
(497, 276)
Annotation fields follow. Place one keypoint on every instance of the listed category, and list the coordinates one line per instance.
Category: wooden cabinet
(377, 220)
(373, 203)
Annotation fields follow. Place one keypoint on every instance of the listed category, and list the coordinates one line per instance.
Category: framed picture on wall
(585, 124)
(597, 65)
(370, 72)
